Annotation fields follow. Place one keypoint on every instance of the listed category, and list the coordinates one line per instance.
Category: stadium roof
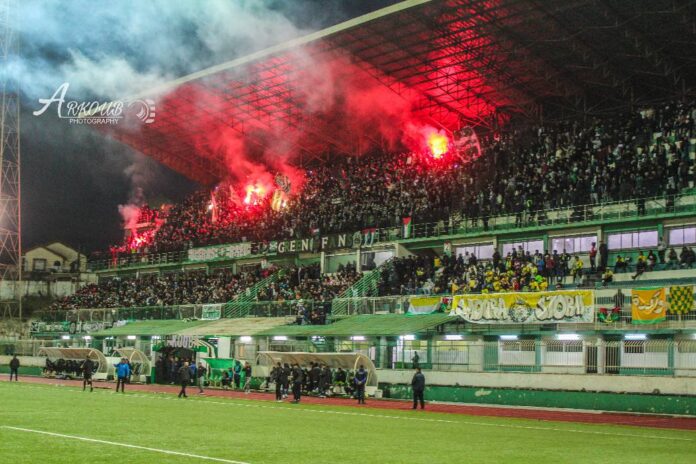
(222, 327)
(367, 325)
(459, 62)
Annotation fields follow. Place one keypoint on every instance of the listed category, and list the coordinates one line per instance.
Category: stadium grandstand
(499, 194)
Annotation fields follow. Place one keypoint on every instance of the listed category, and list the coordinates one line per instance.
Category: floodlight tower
(10, 196)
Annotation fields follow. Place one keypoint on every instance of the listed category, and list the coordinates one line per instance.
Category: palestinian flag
(407, 227)
(368, 236)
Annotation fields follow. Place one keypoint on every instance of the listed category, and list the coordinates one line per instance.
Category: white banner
(236, 250)
(211, 312)
(562, 306)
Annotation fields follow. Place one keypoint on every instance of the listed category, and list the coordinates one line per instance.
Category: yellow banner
(526, 308)
(648, 305)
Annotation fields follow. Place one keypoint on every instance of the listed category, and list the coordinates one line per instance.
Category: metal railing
(236, 309)
(675, 358)
(615, 211)
(135, 260)
(120, 314)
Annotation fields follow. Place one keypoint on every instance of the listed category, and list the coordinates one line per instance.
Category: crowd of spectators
(294, 285)
(307, 283)
(518, 271)
(522, 171)
(163, 289)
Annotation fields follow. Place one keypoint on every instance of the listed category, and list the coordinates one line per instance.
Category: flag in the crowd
(423, 304)
(315, 231)
(408, 227)
(681, 299)
(213, 207)
(648, 305)
(368, 236)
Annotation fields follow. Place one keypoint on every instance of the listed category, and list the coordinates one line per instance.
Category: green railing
(235, 309)
(683, 204)
(242, 306)
(365, 286)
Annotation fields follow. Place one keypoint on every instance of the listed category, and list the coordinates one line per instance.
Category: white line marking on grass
(245, 403)
(124, 445)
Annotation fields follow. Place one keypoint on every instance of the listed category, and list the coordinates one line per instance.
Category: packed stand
(305, 292)
(163, 289)
(521, 172)
(518, 271)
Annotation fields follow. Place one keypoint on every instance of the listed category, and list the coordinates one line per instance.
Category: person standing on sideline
(200, 377)
(418, 387)
(416, 360)
(277, 376)
(247, 378)
(297, 378)
(122, 374)
(184, 378)
(285, 379)
(360, 380)
(14, 368)
(87, 368)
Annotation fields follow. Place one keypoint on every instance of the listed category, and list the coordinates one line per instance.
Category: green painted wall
(22, 370)
(657, 404)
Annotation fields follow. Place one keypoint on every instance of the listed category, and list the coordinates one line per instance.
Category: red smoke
(326, 107)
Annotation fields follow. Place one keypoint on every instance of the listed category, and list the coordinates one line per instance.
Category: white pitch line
(251, 404)
(124, 445)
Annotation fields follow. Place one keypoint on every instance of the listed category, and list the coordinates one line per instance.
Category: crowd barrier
(671, 205)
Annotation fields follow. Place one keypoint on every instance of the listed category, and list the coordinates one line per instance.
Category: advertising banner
(563, 306)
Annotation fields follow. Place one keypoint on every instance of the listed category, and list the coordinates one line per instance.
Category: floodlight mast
(10, 192)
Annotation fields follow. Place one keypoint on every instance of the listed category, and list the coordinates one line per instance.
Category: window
(531, 246)
(682, 236)
(634, 347)
(39, 264)
(573, 244)
(564, 346)
(480, 250)
(628, 240)
(372, 260)
(518, 345)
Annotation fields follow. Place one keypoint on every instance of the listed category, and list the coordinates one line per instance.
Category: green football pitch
(50, 424)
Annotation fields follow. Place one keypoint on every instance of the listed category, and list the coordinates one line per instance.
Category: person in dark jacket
(327, 380)
(285, 379)
(277, 378)
(201, 371)
(184, 378)
(418, 387)
(237, 375)
(123, 373)
(87, 368)
(360, 380)
(14, 368)
(247, 377)
(297, 377)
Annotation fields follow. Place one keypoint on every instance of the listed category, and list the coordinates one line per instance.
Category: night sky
(74, 178)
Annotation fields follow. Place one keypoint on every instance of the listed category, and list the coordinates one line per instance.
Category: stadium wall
(600, 401)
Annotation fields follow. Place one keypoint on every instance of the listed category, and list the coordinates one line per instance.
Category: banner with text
(563, 306)
(648, 305)
(236, 250)
(211, 312)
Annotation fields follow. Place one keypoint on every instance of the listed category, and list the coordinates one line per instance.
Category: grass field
(50, 424)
